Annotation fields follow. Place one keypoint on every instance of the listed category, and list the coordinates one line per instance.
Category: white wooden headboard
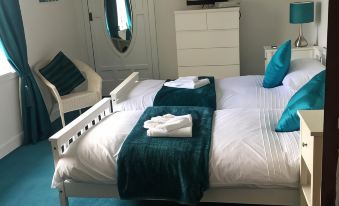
(314, 52)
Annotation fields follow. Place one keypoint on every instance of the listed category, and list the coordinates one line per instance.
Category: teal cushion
(63, 74)
(278, 67)
(309, 97)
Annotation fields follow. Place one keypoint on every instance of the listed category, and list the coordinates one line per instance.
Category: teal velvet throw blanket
(173, 169)
(201, 97)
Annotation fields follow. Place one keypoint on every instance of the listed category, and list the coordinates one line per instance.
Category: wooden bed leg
(63, 198)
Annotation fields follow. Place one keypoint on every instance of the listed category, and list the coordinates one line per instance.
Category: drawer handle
(304, 144)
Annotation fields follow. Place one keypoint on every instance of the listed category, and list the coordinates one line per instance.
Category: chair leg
(63, 198)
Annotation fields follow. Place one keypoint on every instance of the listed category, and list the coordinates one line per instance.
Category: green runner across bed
(173, 169)
(201, 97)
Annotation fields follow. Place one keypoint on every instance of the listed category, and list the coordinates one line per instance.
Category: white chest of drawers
(208, 42)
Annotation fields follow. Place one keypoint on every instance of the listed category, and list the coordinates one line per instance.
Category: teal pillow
(63, 74)
(278, 67)
(309, 97)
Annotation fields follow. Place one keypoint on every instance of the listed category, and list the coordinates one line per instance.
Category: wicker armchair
(77, 99)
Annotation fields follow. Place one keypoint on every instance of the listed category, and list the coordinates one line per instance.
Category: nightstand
(311, 132)
(297, 53)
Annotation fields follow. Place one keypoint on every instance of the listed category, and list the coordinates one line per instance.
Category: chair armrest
(54, 91)
(93, 79)
(50, 86)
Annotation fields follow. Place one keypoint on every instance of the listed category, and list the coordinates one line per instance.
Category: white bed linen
(245, 151)
(233, 92)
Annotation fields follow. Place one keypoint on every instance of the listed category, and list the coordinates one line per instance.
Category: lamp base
(301, 42)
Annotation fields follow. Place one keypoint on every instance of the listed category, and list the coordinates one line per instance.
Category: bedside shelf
(297, 53)
(311, 146)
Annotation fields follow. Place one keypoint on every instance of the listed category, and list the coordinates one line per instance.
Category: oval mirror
(119, 20)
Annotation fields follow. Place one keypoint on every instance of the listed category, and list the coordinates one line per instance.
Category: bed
(134, 94)
(230, 93)
(86, 162)
(274, 156)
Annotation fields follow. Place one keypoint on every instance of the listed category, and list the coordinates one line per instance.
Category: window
(5, 66)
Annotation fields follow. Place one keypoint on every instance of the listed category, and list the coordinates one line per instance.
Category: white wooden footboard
(124, 87)
(63, 139)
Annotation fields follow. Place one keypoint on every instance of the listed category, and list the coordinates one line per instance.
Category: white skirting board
(11, 145)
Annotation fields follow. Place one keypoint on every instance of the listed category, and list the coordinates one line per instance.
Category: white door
(141, 56)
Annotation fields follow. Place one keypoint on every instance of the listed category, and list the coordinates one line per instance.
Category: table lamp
(301, 13)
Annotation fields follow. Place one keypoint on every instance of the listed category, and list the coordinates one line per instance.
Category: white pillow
(301, 71)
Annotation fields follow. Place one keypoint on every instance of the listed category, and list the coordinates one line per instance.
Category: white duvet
(245, 151)
(233, 92)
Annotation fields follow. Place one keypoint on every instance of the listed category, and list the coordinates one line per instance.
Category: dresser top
(314, 120)
(269, 48)
(213, 10)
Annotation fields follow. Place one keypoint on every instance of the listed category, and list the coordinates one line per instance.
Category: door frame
(87, 29)
(331, 110)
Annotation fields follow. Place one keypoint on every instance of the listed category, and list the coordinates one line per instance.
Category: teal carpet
(25, 179)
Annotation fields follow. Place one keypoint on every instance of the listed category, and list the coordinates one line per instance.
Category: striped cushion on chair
(63, 74)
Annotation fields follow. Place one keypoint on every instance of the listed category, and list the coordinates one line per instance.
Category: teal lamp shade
(301, 12)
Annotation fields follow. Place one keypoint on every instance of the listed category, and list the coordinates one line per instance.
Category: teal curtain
(112, 18)
(35, 118)
(129, 19)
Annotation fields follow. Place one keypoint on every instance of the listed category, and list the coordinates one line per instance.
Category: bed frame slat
(61, 141)
(118, 93)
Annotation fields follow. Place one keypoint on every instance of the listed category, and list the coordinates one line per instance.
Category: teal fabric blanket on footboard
(201, 97)
(175, 169)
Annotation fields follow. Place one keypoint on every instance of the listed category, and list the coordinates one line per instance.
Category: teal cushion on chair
(309, 97)
(278, 67)
(63, 74)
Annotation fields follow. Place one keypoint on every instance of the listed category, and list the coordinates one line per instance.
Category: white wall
(322, 21)
(10, 127)
(263, 22)
(52, 27)
(49, 28)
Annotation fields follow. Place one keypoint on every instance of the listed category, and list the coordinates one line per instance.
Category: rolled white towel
(188, 78)
(150, 124)
(155, 121)
(201, 83)
(183, 132)
(180, 84)
(163, 118)
(173, 123)
(187, 84)
(176, 123)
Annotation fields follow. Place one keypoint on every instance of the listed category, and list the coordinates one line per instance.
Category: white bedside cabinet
(297, 53)
(311, 144)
